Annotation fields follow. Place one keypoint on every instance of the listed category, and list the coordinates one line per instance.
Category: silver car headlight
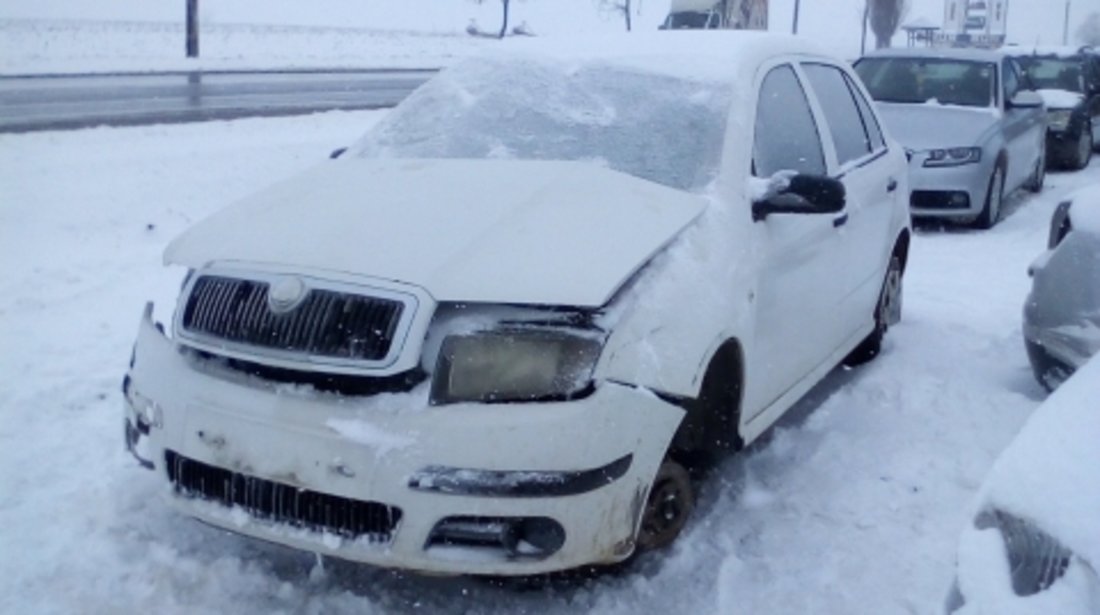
(514, 365)
(953, 157)
(1059, 120)
(1036, 560)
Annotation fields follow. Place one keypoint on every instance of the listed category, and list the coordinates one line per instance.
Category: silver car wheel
(1084, 149)
(889, 307)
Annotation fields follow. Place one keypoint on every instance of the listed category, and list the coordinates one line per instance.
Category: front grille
(271, 501)
(325, 323)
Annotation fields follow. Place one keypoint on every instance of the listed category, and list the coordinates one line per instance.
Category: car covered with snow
(974, 131)
(1068, 79)
(1034, 544)
(503, 332)
(1062, 311)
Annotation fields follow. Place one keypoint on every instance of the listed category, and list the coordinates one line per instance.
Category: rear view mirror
(805, 194)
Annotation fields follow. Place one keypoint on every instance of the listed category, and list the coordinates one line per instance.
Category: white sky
(832, 22)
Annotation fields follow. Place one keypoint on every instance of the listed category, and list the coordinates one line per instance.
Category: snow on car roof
(1058, 51)
(1085, 211)
(704, 55)
(1048, 474)
(946, 53)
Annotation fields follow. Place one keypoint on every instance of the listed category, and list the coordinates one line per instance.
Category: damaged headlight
(1036, 560)
(514, 365)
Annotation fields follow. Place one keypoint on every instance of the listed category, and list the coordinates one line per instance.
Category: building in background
(715, 14)
(974, 23)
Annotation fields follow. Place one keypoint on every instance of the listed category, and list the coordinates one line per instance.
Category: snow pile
(76, 46)
(1085, 213)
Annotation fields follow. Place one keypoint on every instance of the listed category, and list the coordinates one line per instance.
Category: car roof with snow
(945, 53)
(1048, 51)
(708, 55)
(1048, 474)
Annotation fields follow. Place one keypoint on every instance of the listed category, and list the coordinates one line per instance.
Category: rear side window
(845, 121)
(787, 138)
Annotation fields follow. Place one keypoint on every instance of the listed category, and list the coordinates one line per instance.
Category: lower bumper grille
(939, 199)
(271, 501)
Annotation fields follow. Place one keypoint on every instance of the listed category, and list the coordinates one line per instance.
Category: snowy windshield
(1054, 73)
(653, 126)
(921, 80)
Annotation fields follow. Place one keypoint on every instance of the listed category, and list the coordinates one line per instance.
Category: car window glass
(923, 80)
(787, 138)
(870, 122)
(845, 122)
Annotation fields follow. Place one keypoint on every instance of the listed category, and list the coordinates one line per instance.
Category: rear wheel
(991, 212)
(1039, 175)
(887, 314)
(668, 506)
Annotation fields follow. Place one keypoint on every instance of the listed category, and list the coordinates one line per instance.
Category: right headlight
(1036, 560)
(517, 364)
(1059, 120)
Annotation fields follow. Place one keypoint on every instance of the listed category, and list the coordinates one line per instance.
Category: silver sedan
(1062, 312)
(973, 131)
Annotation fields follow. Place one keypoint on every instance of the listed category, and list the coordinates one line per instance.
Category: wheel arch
(711, 426)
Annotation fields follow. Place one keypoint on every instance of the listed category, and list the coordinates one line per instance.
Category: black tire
(887, 313)
(994, 198)
(1080, 156)
(1039, 175)
(668, 507)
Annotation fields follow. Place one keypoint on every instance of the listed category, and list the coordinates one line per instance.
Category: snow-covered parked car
(496, 335)
(1068, 79)
(1034, 544)
(1062, 311)
(974, 131)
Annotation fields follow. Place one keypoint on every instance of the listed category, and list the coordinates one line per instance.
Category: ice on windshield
(921, 80)
(654, 126)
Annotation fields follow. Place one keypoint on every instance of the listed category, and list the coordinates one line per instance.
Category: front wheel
(1083, 152)
(1039, 175)
(668, 507)
(991, 212)
(887, 314)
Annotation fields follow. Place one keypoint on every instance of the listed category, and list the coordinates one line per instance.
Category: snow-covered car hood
(498, 231)
(930, 125)
(1048, 474)
(1061, 99)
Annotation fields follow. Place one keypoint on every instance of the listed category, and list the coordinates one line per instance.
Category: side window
(786, 134)
(845, 122)
(870, 122)
(1012, 80)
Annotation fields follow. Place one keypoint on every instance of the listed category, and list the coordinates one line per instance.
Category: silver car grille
(324, 323)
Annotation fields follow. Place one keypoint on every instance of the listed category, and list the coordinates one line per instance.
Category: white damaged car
(498, 333)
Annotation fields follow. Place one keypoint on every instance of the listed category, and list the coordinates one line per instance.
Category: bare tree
(885, 16)
(622, 7)
(1089, 32)
(504, 20)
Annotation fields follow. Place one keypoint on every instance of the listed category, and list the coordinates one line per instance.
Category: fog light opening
(513, 537)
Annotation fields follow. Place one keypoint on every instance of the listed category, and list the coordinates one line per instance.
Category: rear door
(863, 166)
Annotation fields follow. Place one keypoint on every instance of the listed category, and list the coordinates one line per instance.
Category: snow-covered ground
(852, 505)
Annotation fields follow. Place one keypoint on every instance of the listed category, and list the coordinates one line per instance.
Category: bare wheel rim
(1084, 148)
(667, 508)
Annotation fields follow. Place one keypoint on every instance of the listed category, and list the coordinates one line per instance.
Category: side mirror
(336, 153)
(1026, 100)
(805, 194)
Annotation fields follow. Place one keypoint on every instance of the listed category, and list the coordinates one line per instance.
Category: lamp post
(794, 26)
(1065, 28)
(192, 28)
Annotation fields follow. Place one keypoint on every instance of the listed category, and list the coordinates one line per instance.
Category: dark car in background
(1068, 79)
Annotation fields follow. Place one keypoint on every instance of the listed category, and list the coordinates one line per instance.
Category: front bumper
(936, 190)
(457, 462)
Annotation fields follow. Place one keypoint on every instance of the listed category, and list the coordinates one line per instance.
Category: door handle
(840, 220)
(892, 185)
